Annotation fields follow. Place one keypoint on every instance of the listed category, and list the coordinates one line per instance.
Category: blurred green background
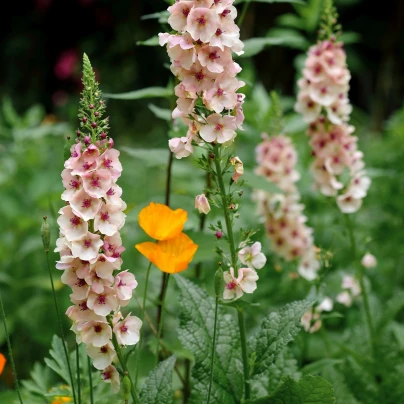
(42, 42)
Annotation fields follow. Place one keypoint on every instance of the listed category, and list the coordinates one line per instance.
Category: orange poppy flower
(3, 361)
(170, 256)
(160, 222)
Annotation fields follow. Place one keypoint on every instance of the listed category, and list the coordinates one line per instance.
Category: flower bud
(369, 261)
(202, 204)
(238, 168)
(219, 234)
(219, 282)
(45, 234)
(126, 387)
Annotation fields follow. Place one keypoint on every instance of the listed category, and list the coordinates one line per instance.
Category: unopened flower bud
(126, 387)
(45, 234)
(87, 139)
(91, 106)
(238, 168)
(103, 135)
(219, 282)
(202, 204)
(219, 234)
(369, 261)
(96, 113)
(84, 119)
(94, 125)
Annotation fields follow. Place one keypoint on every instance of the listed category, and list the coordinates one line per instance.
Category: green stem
(78, 374)
(90, 378)
(61, 328)
(243, 338)
(243, 13)
(223, 195)
(143, 309)
(359, 270)
(10, 351)
(160, 329)
(212, 359)
(123, 364)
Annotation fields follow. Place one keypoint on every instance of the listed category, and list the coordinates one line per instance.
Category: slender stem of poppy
(61, 327)
(10, 351)
(123, 364)
(143, 309)
(225, 203)
(78, 374)
(212, 359)
(243, 338)
(360, 273)
(90, 379)
(160, 326)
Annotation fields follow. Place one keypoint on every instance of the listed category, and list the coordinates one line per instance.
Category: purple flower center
(231, 285)
(97, 328)
(107, 163)
(124, 328)
(199, 76)
(104, 349)
(104, 216)
(213, 55)
(101, 299)
(86, 203)
(87, 243)
(75, 221)
(95, 182)
(110, 192)
(219, 32)
(201, 20)
(74, 184)
(219, 92)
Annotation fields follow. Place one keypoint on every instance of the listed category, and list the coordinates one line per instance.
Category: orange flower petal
(160, 222)
(3, 361)
(170, 256)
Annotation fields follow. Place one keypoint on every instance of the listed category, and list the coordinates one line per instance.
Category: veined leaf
(309, 390)
(277, 330)
(150, 92)
(158, 385)
(196, 333)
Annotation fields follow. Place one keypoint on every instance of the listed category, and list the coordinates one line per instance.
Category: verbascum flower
(369, 261)
(90, 246)
(324, 104)
(285, 223)
(201, 57)
(202, 204)
(173, 250)
(311, 320)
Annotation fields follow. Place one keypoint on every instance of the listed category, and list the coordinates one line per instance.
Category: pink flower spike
(102, 356)
(113, 247)
(78, 285)
(214, 59)
(85, 206)
(97, 183)
(202, 23)
(127, 331)
(75, 153)
(81, 314)
(87, 246)
(96, 333)
(125, 282)
(179, 12)
(87, 161)
(103, 303)
(219, 129)
(223, 93)
(109, 160)
(111, 375)
(72, 226)
(72, 184)
(96, 283)
(109, 219)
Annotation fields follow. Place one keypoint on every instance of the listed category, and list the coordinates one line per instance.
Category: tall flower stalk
(200, 49)
(90, 245)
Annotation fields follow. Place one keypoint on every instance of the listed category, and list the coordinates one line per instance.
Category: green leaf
(150, 92)
(158, 386)
(160, 15)
(161, 113)
(255, 181)
(254, 46)
(309, 390)
(196, 333)
(58, 362)
(151, 157)
(318, 366)
(277, 330)
(290, 38)
(153, 41)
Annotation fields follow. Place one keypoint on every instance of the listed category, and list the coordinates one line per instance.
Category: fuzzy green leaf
(158, 385)
(196, 333)
(150, 92)
(277, 330)
(310, 390)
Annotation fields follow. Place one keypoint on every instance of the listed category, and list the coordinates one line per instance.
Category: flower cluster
(351, 289)
(311, 320)
(323, 102)
(285, 223)
(174, 250)
(90, 245)
(246, 280)
(201, 58)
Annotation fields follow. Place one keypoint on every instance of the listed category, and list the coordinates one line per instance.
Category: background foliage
(39, 89)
